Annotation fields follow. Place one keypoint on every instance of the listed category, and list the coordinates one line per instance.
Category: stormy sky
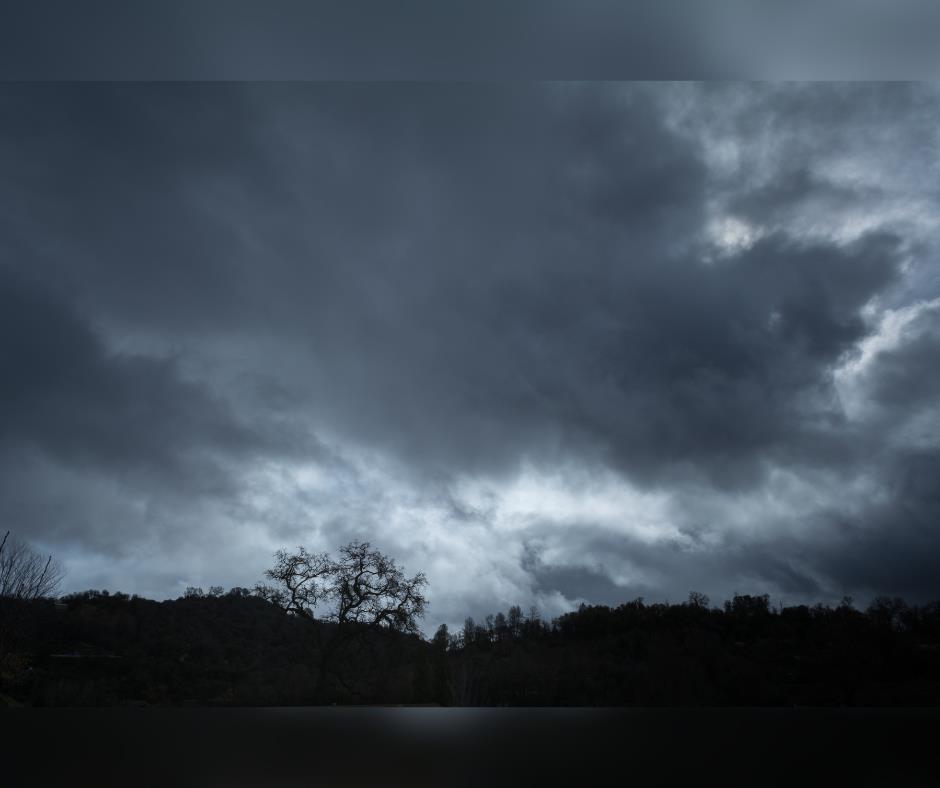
(547, 343)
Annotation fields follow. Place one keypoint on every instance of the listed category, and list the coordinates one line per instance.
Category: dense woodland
(237, 648)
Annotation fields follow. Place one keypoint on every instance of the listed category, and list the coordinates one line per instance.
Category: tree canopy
(361, 586)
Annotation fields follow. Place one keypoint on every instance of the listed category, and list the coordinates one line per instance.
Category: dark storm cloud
(79, 421)
(893, 541)
(740, 367)
(668, 571)
(513, 270)
(63, 393)
(893, 545)
(907, 378)
(462, 279)
(397, 234)
(789, 190)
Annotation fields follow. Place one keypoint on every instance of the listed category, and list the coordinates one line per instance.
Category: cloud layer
(546, 343)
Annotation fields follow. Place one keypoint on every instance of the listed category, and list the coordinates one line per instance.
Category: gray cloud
(66, 395)
(305, 312)
(905, 378)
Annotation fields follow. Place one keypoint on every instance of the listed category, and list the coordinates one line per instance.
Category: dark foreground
(235, 649)
(455, 746)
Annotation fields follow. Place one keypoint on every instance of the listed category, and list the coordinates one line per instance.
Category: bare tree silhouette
(362, 587)
(24, 573)
(362, 590)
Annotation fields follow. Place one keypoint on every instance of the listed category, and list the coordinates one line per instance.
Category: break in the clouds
(547, 343)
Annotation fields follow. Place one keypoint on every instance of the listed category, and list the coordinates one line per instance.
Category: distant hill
(745, 654)
(231, 649)
(96, 648)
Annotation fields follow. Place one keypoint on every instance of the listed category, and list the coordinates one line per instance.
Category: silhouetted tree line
(326, 630)
(744, 653)
(345, 630)
(236, 647)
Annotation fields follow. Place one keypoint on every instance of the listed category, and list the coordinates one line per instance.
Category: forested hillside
(235, 648)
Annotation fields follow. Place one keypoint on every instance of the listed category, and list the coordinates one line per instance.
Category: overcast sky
(546, 343)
